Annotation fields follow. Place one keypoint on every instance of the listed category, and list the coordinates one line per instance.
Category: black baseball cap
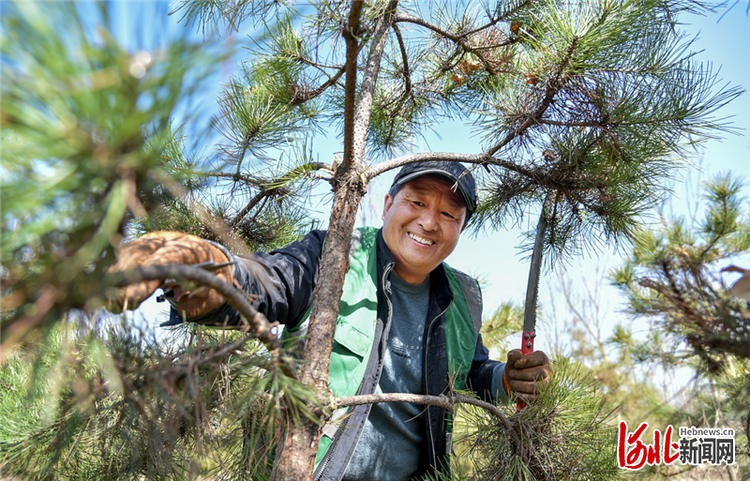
(455, 172)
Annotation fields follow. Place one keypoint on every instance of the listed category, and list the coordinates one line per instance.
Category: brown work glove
(524, 373)
(161, 248)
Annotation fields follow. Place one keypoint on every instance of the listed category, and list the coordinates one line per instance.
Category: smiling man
(408, 323)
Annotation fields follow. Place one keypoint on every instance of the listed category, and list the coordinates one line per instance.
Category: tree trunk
(296, 451)
(295, 457)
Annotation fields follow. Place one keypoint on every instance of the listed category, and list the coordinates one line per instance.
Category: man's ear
(386, 205)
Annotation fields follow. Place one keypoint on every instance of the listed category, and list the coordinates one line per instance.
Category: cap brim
(443, 173)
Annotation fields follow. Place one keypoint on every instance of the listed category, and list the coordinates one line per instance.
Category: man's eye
(416, 202)
(448, 214)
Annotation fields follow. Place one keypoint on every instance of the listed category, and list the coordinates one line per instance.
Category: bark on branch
(296, 450)
(480, 159)
(348, 192)
(350, 85)
(361, 114)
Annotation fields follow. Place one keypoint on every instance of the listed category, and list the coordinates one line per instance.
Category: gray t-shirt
(390, 445)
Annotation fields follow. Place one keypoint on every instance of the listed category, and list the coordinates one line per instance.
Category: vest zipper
(331, 448)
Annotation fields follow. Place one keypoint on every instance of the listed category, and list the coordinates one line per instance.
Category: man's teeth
(421, 240)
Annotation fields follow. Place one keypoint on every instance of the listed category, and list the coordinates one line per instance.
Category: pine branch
(499, 18)
(405, 60)
(179, 368)
(479, 159)
(20, 328)
(458, 39)
(247, 179)
(260, 196)
(218, 227)
(334, 263)
(257, 324)
(332, 80)
(554, 85)
(723, 212)
(270, 188)
(301, 98)
(443, 401)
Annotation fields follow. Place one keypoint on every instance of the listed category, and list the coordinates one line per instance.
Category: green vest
(355, 328)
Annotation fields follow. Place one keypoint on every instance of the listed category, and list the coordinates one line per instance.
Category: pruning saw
(532, 290)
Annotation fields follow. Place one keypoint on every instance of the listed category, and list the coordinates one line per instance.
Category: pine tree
(672, 279)
(583, 106)
(672, 276)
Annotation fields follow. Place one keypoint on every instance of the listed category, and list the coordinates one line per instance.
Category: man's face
(421, 225)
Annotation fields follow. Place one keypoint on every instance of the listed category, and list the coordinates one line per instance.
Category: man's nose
(428, 219)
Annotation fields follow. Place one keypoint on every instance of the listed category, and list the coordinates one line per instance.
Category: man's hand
(162, 248)
(524, 373)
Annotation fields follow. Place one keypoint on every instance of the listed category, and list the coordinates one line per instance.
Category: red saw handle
(527, 347)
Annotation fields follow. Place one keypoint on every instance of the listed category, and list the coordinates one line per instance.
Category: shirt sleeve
(279, 284)
(486, 375)
(498, 390)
